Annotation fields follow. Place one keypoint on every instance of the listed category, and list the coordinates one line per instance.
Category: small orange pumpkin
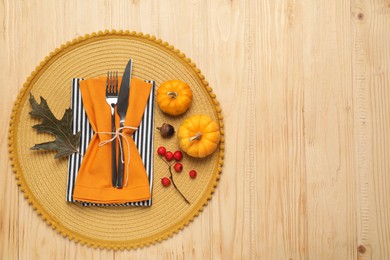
(199, 136)
(174, 97)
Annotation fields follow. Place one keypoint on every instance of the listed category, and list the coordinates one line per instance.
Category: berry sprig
(167, 157)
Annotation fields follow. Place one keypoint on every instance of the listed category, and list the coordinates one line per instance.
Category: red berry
(161, 150)
(192, 174)
(169, 156)
(178, 155)
(165, 181)
(178, 167)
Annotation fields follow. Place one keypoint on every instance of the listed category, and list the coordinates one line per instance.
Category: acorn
(166, 130)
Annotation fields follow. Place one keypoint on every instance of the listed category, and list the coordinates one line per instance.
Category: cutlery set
(120, 101)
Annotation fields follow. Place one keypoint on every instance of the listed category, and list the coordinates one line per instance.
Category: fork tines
(112, 82)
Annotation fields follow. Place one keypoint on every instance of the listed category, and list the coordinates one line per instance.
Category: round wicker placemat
(43, 179)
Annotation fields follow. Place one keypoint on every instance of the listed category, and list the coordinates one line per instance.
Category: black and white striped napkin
(143, 139)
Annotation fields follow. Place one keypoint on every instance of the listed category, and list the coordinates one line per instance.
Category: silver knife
(122, 105)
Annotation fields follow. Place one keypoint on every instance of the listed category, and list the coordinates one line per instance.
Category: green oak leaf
(65, 142)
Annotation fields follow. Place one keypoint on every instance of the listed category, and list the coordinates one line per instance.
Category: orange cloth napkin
(93, 183)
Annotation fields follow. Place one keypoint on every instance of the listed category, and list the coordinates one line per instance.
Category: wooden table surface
(305, 92)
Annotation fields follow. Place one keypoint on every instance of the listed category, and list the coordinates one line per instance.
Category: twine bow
(116, 134)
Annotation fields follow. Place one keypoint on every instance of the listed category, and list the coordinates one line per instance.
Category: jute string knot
(115, 135)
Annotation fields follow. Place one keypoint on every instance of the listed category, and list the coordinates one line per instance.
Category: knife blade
(122, 105)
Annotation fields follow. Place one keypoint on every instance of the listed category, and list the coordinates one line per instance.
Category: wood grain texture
(371, 24)
(304, 88)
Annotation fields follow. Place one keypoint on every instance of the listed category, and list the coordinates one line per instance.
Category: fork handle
(121, 166)
(113, 153)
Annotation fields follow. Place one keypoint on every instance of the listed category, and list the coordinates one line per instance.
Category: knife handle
(113, 152)
(119, 181)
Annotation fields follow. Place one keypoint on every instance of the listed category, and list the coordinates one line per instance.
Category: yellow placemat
(43, 179)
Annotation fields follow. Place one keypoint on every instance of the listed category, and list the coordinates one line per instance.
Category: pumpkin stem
(198, 136)
(172, 94)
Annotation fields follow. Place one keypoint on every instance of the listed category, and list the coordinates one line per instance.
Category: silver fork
(112, 99)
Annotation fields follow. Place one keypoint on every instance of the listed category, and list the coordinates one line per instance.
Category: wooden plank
(280, 219)
(9, 217)
(329, 135)
(305, 170)
(371, 24)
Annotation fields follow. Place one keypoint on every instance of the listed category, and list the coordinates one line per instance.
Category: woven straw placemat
(43, 179)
